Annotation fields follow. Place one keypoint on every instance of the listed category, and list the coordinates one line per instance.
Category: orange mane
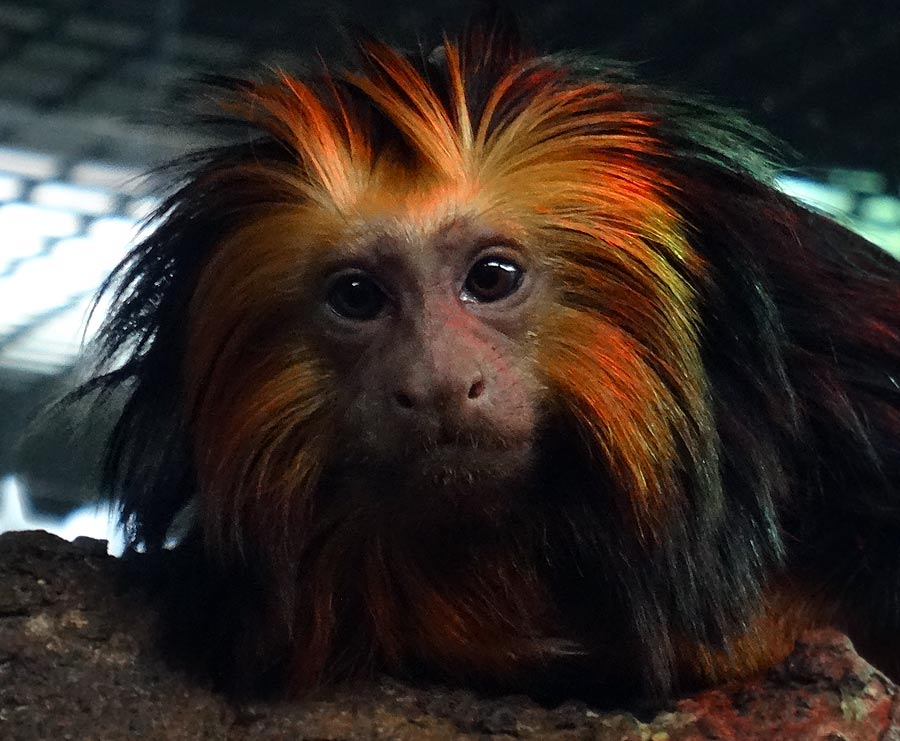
(560, 162)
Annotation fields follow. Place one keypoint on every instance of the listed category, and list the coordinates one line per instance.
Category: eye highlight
(356, 296)
(492, 279)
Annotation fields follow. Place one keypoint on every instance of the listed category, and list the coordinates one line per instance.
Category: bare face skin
(428, 333)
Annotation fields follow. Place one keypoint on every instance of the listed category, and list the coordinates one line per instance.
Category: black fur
(801, 347)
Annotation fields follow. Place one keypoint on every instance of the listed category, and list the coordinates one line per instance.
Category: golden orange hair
(554, 160)
(683, 386)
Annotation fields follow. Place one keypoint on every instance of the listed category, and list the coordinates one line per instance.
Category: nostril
(404, 400)
(476, 390)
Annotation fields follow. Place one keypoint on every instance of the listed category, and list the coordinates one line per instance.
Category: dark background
(822, 74)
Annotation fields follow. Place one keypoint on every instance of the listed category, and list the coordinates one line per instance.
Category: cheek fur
(258, 399)
(261, 434)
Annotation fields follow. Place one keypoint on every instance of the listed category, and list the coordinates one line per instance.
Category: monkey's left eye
(356, 296)
(492, 279)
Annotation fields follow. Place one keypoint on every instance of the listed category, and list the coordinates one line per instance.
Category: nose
(435, 394)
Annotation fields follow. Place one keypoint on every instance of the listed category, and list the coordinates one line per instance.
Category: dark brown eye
(356, 296)
(492, 279)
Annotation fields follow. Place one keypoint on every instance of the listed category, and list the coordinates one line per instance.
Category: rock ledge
(76, 661)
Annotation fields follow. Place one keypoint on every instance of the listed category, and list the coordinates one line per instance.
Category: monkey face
(395, 294)
(419, 326)
(428, 335)
(397, 313)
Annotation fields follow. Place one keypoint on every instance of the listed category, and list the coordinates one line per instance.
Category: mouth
(466, 465)
(431, 484)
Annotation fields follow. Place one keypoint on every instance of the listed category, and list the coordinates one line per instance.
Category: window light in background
(64, 230)
(93, 521)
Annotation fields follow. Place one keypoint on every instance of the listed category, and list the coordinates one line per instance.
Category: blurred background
(88, 89)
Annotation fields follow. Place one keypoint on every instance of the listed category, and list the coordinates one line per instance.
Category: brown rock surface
(77, 662)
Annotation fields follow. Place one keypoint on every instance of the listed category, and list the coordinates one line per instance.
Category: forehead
(417, 218)
(390, 234)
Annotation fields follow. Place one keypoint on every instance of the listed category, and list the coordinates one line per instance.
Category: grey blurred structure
(88, 87)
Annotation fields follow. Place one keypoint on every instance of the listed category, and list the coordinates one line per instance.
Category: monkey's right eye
(356, 296)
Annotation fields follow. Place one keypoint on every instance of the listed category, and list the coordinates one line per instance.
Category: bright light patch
(22, 220)
(94, 521)
(33, 289)
(113, 231)
(72, 268)
(118, 178)
(883, 236)
(141, 208)
(12, 511)
(55, 343)
(75, 267)
(875, 217)
(28, 354)
(30, 164)
(92, 310)
(45, 292)
(10, 187)
(52, 345)
(881, 209)
(827, 198)
(73, 198)
(86, 261)
(23, 247)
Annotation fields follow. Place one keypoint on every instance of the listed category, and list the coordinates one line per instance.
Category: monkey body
(495, 369)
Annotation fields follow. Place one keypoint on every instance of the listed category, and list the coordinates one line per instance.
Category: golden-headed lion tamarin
(499, 368)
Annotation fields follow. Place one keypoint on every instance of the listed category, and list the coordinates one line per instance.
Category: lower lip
(481, 462)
